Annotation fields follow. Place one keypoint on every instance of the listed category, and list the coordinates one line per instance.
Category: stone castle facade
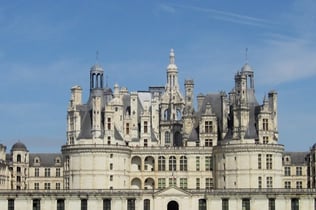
(154, 149)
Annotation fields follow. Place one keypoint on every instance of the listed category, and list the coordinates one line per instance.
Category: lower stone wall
(176, 199)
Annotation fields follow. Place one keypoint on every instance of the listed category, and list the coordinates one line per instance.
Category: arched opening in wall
(166, 114)
(179, 114)
(136, 163)
(177, 140)
(136, 183)
(173, 205)
(18, 158)
(149, 184)
(149, 163)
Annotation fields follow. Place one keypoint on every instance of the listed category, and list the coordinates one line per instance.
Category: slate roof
(297, 158)
(46, 159)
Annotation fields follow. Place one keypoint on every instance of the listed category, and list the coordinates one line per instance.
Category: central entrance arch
(173, 205)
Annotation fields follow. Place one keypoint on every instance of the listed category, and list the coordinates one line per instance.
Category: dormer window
(57, 161)
(37, 161)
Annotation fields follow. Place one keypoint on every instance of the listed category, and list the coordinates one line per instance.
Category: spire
(172, 57)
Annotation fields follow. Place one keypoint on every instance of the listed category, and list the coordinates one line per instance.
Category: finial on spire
(172, 56)
(246, 55)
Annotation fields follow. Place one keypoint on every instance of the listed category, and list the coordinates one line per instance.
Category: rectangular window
(197, 163)
(225, 204)
(47, 172)
(269, 182)
(269, 161)
(145, 142)
(298, 171)
(208, 183)
(208, 163)
(259, 161)
(299, 185)
(111, 166)
(127, 129)
(287, 171)
(36, 186)
(131, 204)
(208, 126)
(271, 203)
(245, 204)
(161, 183)
(183, 183)
(208, 142)
(146, 204)
(106, 204)
(57, 172)
(295, 204)
(57, 186)
(109, 123)
(202, 204)
(265, 139)
(36, 204)
(145, 126)
(259, 182)
(36, 172)
(84, 204)
(60, 204)
(10, 204)
(47, 186)
(287, 185)
(265, 124)
(198, 183)
(172, 182)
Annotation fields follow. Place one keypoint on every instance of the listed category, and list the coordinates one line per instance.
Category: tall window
(57, 186)
(84, 204)
(161, 183)
(269, 182)
(172, 163)
(299, 185)
(287, 171)
(36, 172)
(127, 129)
(131, 204)
(109, 123)
(47, 172)
(36, 204)
(146, 204)
(57, 172)
(225, 204)
(202, 204)
(36, 186)
(47, 186)
(60, 204)
(198, 183)
(106, 204)
(197, 163)
(172, 182)
(145, 127)
(259, 161)
(287, 184)
(10, 204)
(145, 142)
(271, 203)
(298, 171)
(208, 142)
(208, 183)
(259, 182)
(265, 139)
(183, 183)
(167, 137)
(208, 163)
(265, 124)
(183, 163)
(245, 204)
(18, 158)
(208, 126)
(295, 204)
(269, 161)
(161, 163)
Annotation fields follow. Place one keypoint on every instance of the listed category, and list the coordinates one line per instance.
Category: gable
(173, 192)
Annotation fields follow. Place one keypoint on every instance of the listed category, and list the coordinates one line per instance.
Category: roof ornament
(172, 56)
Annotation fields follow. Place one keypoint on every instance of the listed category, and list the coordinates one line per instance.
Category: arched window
(146, 204)
(179, 115)
(161, 163)
(18, 158)
(167, 137)
(172, 163)
(166, 114)
(183, 163)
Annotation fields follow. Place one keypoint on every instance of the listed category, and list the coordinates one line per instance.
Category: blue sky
(48, 46)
